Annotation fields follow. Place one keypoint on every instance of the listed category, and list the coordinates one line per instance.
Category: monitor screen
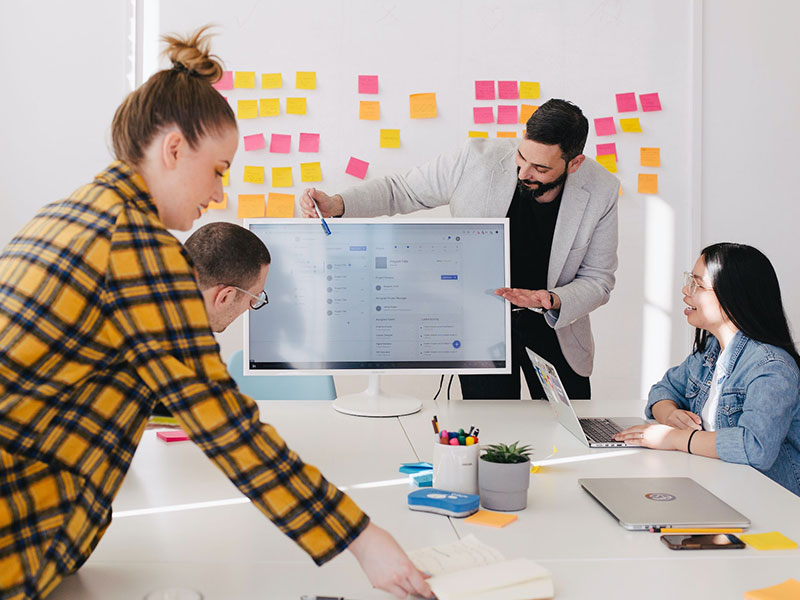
(382, 295)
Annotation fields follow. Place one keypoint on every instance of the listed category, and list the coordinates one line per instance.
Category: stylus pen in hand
(536, 309)
(325, 227)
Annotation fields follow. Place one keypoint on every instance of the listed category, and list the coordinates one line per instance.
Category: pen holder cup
(455, 468)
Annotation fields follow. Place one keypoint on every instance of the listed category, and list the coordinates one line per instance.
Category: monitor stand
(373, 402)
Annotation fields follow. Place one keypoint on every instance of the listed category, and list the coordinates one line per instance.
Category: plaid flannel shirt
(100, 316)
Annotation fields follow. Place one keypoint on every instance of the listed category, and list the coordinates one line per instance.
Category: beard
(534, 193)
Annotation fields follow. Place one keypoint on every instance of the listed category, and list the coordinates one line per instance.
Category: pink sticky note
(603, 149)
(309, 142)
(484, 90)
(507, 113)
(605, 126)
(626, 102)
(226, 82)
(357, 168)
(175, 435)
(507, 90)
(650, 102)
(280, 143)
(367, 84)
(483, 114)
(254, 142)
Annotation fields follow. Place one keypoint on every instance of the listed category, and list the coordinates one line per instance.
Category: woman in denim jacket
(737, 396)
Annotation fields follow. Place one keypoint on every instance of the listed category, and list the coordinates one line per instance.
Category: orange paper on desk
(250, 206)
(422, 106)
(773, 540)
(280, 205)
(490, 519)
(788, 590)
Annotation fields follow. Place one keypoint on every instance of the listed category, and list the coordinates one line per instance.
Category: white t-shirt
(709, 413)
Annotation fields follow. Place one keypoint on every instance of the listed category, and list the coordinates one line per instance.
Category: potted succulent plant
(504, 473)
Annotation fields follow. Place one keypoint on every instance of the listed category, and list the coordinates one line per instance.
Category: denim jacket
(758, 418)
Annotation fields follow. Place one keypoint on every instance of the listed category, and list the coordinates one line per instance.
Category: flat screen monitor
(379, 296)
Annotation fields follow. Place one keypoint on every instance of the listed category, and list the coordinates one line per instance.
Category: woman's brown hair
(182, 96)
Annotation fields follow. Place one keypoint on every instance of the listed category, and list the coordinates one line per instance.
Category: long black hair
(747, 289)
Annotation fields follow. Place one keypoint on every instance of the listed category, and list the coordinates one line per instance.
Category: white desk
(233, 551)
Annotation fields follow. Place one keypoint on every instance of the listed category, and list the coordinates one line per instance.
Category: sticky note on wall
(422, 106)
(610, 148)
(253, 174)
(605, 126)
(226, 178)
(369, 110)
(484, 90)
(269, 107)
(390, 138)
(254, 142)
(626, 102)
(226, 82)
(357, 168)
(650, 157)
(244, 79)
(507, 90)
(650, 102)
(281, 143)
(506, 134)
(367, 84)
(306, 80)
(310, 171)
(507, 113)
(525, 112)
(478, 134)
(280, 205)
(648, 183)
(247, 109)
(251, 206)
(309, 142)
(630, 125)
(609, 161)
(528, 90)
(281, 176)
(483, 114)
(295, 106)
(271, 81)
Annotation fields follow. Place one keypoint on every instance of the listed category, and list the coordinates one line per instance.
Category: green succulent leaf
(503, 453)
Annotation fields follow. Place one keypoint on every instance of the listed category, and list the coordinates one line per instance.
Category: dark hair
(559, 122)
(182, 96)
(226, 253)
(748, 292)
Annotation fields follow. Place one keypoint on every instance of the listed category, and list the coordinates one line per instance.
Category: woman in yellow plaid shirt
(100, 316)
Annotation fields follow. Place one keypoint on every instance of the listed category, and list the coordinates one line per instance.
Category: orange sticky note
(490, 519)
(219, 205)
(280, 205)
(226, 178)
(247, 109)
(244, 79)
(648, 183)
(369, 110)
(650, 157)
(422, 106)
(250, 206)
(310, 171)
(390, 138)
(271, 81)
(478, 134)
(269, 107)
(253, 174)
(631, 125)
(306, 80)
(528, 90)
(295, 106)
(281, 176)
(506, 134)
(609, 161)
(788, 590)
(525, 112)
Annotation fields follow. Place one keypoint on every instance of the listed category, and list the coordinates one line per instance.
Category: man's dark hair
(226, 253)
(559, 122)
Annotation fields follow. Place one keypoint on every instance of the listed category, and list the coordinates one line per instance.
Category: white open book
(471, 570)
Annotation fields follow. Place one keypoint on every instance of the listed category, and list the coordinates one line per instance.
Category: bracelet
(689, 443)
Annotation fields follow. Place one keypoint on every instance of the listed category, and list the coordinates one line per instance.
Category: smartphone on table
(712, 541)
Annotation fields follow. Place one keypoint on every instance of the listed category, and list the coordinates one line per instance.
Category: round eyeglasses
(691, 284)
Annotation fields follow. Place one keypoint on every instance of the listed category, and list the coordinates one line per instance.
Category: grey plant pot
(504, 486)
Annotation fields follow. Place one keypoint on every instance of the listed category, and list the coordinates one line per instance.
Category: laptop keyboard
(599, 429)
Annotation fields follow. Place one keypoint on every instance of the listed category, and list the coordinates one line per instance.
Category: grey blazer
(478, 181)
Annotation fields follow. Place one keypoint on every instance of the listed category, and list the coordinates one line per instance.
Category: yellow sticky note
(528, 90)
(310, 171)
(244, 79)
(506, 134)
(226, 178)
(390, 138)
(253, 174)
(478, 134)
(250, 206)
(525, 112)
(609, 161)
(490, 519)
(247, 109)
(281, 176)
(650, 157)
(269, 107)
(648, 183)
(306, 80)
(768, 541)
(630, 125)
(271, 81)
(219, 205)
(280, 205)
(788, 590)
(295, 106)
(369, 110)
(423, 106)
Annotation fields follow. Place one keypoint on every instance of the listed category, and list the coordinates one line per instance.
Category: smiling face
(703, 310)
(542, 168)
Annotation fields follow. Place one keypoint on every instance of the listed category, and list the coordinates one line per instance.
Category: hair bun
(193, 53)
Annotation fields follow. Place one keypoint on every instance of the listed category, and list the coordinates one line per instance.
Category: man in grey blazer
(563, 213)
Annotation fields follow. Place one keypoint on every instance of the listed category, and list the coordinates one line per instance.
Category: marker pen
(325, 227)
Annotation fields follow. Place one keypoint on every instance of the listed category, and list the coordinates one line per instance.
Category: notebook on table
(640, 503)
(597, 432)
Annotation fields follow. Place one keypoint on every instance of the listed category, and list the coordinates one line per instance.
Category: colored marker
(325, 227)
(696, 530)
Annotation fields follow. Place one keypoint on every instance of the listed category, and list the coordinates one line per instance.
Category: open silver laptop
(597, 432)
(641, 503)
